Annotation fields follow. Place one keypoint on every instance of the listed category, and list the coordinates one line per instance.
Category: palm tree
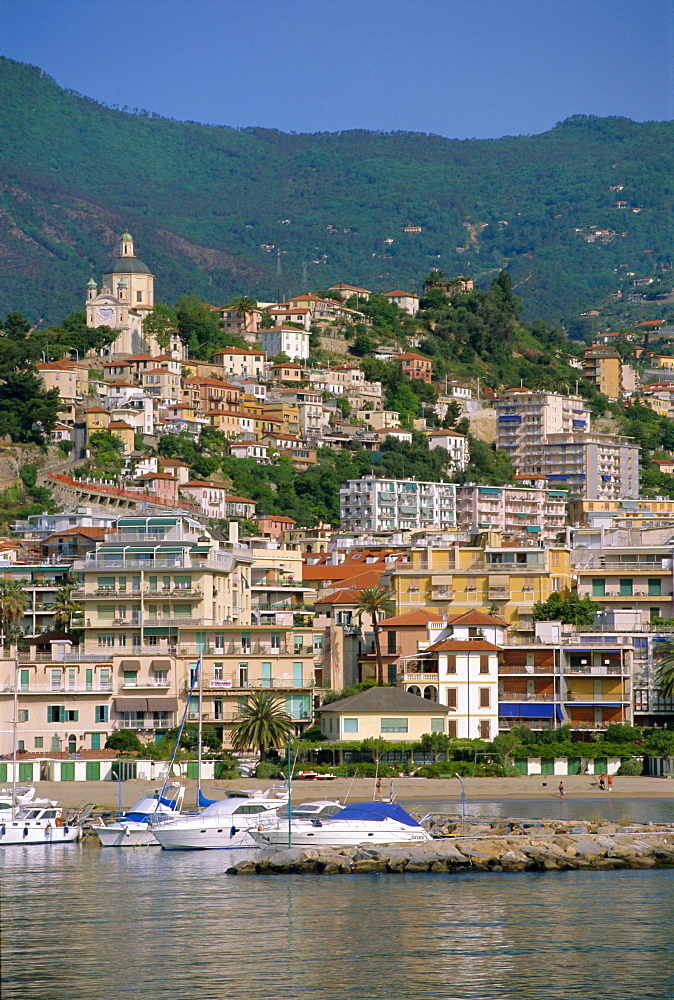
(13, 602)
(65, 608)
(245, 306)
(378, 603)
(664, 673)
(262, 724)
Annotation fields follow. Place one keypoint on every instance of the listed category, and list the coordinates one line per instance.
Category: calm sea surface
(81, 923)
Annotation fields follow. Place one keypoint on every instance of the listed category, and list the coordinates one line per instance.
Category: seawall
(547, 849)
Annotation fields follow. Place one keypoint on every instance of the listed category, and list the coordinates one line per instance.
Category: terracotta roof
(399, 293)
(96, 534)
(275, 517)
(346, 596)
(120, 425)
(201, 483)
(386, 699)
(465, 645)
(410, 355)
(157, 475)
(96, 409)
(474, 618)
(235, 350)
(412, 618)
(241, 499)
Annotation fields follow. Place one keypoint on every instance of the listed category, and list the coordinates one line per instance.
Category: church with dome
(123, 301)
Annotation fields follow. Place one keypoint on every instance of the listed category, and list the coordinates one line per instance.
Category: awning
(130, 704)
(528, 711)
(162, 704)
(130, 664)
(157, 631)
(160, 665)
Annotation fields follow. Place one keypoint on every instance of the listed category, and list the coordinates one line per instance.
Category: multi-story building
(70, 379)
(582, 512)
(393, 504)
(547, 434)
(458, 665)
(286, 340)
(456, 444)
(40, 582)
(415, 366)
(528, 510)
(241, 362)
(602, 365)
(454, 578)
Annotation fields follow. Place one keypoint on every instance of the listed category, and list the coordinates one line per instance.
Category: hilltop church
(125, 299)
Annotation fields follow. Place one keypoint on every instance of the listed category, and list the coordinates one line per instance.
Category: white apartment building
(528, 510)
(453, 442)
(548, 435)
(286, 340)
(396, 504)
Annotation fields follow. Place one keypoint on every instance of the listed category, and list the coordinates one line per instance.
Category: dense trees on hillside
(336, 204)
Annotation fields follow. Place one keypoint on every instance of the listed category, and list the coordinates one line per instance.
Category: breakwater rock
(554, 852)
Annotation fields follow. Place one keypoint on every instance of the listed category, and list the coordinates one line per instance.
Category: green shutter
(95, 741)
(3, 772)
(93, 768)
(24, 680)
(89, 679)
(654, 588)
(25, 772)
(599, 588)
(266, 675)
(67, 770)
(297, 675)
(193, 769)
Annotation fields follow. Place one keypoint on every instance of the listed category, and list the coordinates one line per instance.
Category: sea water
(82, 923)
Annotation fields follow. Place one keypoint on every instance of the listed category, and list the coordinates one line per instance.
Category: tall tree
(13, 603)
(245, 306)
(378, 603)
(160, 324)
(65, 607)
(263, 724)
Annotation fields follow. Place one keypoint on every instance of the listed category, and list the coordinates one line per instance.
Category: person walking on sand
(562, 790)
(602, 780)
(609, 783)
(378, 786)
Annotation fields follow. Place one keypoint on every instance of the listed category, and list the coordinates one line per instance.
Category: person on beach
(378, 786)
(602, 782)
(562, 790)
(609, 783)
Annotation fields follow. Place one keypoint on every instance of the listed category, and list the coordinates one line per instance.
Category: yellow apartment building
(456, 578)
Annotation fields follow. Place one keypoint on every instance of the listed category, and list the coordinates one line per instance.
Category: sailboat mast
(200, 665)
(15, 728)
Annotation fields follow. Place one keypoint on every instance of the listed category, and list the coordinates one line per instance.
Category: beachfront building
(394, 504)
(386, 713)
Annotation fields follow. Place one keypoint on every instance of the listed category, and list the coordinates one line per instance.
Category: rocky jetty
(550, 848)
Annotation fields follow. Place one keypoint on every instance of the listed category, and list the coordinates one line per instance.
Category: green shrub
(512, 772)
(631, 768)
(267, 769)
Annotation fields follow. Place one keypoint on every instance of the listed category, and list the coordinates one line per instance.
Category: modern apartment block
(548, 434)
(627, 569)
(527, 510)
(602, 365)
(396, 504)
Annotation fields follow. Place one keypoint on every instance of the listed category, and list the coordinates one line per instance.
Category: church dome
(127, 236)
(128, 265)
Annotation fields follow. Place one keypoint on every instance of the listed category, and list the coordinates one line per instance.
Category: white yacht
(133, 829)
(361, 823)
(223, 825)
(39, 821)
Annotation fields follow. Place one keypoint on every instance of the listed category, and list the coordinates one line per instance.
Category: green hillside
(204, 202)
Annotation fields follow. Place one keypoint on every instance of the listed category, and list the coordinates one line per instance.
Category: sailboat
(32, 821)
(132, 829)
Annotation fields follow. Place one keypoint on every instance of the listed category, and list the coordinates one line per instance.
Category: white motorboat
(40, 821)
(223, 824)
(361, 823)
(132, 829)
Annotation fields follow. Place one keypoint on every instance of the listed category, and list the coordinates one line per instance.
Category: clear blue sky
(459, 68)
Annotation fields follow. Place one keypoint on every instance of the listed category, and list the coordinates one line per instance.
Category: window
(218, 672)
(130, 678)
(437, 725)
(484, 695)
(106, 640)
(485, 729)
(56, 680)
(106, 611)
(626, 587)
(218, 708)
(484, 663)
(151, 640)
(451, 663)
(139, 296)
(394, 725)
(101, 713)
(39, 742)
(599, 587)
(23, 715)
(95, 741)
(161, 678)
(451, 697)
(104, 682)
(121, 640)
(350, 725)
(22, 743)
(266, 675)
(391, 643)
(654, 588)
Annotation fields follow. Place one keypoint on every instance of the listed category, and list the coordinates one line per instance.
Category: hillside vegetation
(211, 207)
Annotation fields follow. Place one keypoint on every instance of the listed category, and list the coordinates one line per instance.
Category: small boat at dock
(133, 829)
(360, 823)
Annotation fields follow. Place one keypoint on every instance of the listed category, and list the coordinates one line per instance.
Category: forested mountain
(213, 210)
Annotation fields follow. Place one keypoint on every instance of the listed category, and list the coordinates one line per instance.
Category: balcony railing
(579, 699)
(148, 723)
(522, 668)
(523, 696)
(88, 656)
(410, 676)
(49, 689)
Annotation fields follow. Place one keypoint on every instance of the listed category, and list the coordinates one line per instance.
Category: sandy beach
(104, 794)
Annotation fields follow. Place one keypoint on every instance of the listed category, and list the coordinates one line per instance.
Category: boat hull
(126, 835)
(328, 836)
(22, 832)
(204, 839)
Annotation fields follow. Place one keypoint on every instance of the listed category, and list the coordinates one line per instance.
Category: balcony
(412, 677)
(168, 723)
(84, 657)
(622, 697)
(499, 593)
(525, 669)
(522, 696)
(63, 690)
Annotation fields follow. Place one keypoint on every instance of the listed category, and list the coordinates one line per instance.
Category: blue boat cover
(171, 803)
(375, 811)
(203, 801)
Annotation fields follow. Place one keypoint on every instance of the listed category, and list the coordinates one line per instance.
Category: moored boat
(133, 829)
(38, 822)
(223, 825)
(360, 823)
